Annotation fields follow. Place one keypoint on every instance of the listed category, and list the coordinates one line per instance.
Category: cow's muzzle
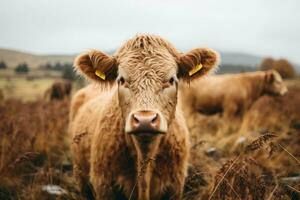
(283, 91)
(145, 123)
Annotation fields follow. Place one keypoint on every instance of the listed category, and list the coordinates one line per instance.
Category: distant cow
(59, 90)
(231, 94)
(130, 140)
(1, 94)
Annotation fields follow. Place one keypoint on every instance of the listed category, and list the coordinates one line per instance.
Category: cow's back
(207, 93)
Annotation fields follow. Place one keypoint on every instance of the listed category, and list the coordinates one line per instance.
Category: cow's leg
(81, 165)
(83, 182)
(230, 110)
(176, 192)
(105, 193)
(103, 190)
(230, 116)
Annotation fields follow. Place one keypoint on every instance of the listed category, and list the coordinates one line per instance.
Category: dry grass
(22, 88)
(34, 149)
(255, 161)
(252, 173)
(261, 161)
(30, 88)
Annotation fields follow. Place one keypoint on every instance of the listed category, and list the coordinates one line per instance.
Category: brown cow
(1, 94)
(59, 90)
(130, 140)
(231, 94)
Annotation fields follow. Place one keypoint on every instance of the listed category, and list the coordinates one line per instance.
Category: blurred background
(39, 39)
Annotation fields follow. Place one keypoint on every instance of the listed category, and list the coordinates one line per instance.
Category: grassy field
(259, 162)
(22, 88)
(31, 86)
(34, 151)
(28, 86)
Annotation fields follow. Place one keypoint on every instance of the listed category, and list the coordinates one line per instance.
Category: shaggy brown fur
(82, 96)
(119, 164)
(59, 90)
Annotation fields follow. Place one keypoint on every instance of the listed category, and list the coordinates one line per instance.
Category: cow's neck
(256, 85)
(145, 151)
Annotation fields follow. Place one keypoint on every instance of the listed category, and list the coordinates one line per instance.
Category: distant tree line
(3, 65)
(22, 68)
(68, 72)
(65, 68)
(229, 68)
(283, 66)
(54, 66)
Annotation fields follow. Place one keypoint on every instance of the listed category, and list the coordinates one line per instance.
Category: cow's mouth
(146, 131)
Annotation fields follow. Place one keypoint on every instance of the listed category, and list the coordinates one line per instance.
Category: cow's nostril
(135, 119)
(154, 120)
(145, 122)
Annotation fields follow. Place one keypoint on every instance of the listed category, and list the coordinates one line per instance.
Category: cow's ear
(270, 76)
(197, 63)
(97, 66)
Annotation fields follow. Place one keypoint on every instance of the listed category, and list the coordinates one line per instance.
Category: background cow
(228, 96)
(59, 90)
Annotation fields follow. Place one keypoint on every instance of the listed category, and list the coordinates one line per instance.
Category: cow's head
(146, 70)
(274, 83)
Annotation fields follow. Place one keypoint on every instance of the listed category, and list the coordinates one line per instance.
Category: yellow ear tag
(100, 74)
(195, 69)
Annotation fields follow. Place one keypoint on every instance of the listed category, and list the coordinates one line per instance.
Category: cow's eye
(121, 81)
(171, 81)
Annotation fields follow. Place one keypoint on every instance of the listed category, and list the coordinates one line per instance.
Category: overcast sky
(261, 27)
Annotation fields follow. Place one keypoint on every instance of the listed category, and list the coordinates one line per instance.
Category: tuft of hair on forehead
(148, 43)
(143, 46)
